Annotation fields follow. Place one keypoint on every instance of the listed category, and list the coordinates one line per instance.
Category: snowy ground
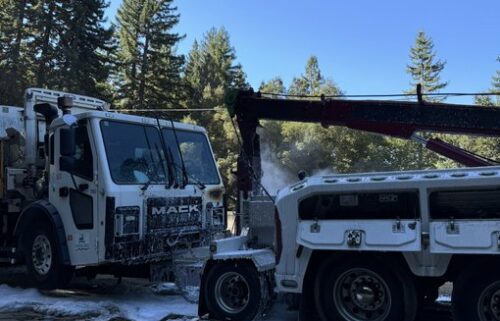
(103, 299)
(132, 299)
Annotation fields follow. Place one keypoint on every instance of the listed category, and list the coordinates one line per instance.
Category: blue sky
(362, 45)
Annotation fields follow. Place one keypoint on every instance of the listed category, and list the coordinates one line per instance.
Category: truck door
(74, 193)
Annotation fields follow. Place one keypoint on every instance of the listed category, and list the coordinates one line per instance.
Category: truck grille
(173, 213)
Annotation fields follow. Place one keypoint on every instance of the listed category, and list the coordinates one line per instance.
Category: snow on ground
(129, 300)
(104, 299)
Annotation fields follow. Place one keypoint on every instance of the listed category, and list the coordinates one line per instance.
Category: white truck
(98, 191)
(362, 247)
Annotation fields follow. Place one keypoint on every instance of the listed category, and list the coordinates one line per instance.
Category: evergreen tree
(149, 74)
(15, 58)
(85, 45)
(271, 135)
(273, 86)
(312, 82)
(44, 45)
(424, 68)
(495, 88)
(211, 70)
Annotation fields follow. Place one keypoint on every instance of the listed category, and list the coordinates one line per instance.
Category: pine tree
(149, 74)
(211, 70)
(424, 68)
(15, 58)
(47, 26)
(495, 88)
(312, 81)
(85, 45)
(271, 135)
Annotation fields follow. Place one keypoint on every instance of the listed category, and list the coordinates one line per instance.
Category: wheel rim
(489, 303)
(362, 295)
(41, 254)
(232, 292)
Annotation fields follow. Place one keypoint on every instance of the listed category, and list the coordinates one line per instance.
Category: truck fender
(263, 259)
(49, 212)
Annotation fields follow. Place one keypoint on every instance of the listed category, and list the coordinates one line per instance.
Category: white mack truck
(362, 247)
(84, 187)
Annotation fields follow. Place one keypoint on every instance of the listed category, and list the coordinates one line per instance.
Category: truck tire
(43, 259)
(233, 292)
(476, 295)
(358, 289)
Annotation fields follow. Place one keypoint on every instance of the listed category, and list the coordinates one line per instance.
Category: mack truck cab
(113, 191)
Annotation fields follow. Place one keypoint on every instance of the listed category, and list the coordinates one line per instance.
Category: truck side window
(83, 154)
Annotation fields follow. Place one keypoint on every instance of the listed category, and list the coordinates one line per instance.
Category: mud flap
(267, 291)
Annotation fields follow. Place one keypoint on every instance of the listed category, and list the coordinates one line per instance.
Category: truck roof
(456, 178)
(131, 119)
(80, 102)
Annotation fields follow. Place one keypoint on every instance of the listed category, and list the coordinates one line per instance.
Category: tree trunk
(13, 85)
(144, 70)
(44, 55)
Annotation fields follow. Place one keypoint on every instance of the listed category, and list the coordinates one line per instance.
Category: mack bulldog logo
(166, 213)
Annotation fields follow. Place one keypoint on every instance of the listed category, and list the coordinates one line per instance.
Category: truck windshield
(135, 153)
(197, 156)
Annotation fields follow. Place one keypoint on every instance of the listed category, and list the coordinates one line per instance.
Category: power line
(381, 95)
(164, 110)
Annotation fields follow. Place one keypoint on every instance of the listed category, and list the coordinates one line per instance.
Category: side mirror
(301, 175)
(67, 163)
(67, 141)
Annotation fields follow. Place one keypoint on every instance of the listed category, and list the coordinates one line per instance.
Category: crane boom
(400, 119)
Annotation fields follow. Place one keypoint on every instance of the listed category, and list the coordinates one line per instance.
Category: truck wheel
(476, 295)
(358, 290)
(43, 259)
(233, 292)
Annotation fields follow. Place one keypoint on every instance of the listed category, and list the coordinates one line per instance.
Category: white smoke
(274, 176)
(325, 172)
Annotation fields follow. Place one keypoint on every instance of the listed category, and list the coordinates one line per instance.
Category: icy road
(106, 299)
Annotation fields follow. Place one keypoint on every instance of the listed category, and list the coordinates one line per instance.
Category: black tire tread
(467, 289)
(252, 277)
(330, 269)
(60, 275)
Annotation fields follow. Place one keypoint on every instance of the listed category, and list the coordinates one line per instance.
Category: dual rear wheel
(358, 290)
(476, 294)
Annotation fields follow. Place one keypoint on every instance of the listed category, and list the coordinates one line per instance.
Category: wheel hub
(489, 303)
(362, 295)
(41, 254)
(232, 292)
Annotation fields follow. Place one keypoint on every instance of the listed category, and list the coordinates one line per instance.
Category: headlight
(127, 220)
